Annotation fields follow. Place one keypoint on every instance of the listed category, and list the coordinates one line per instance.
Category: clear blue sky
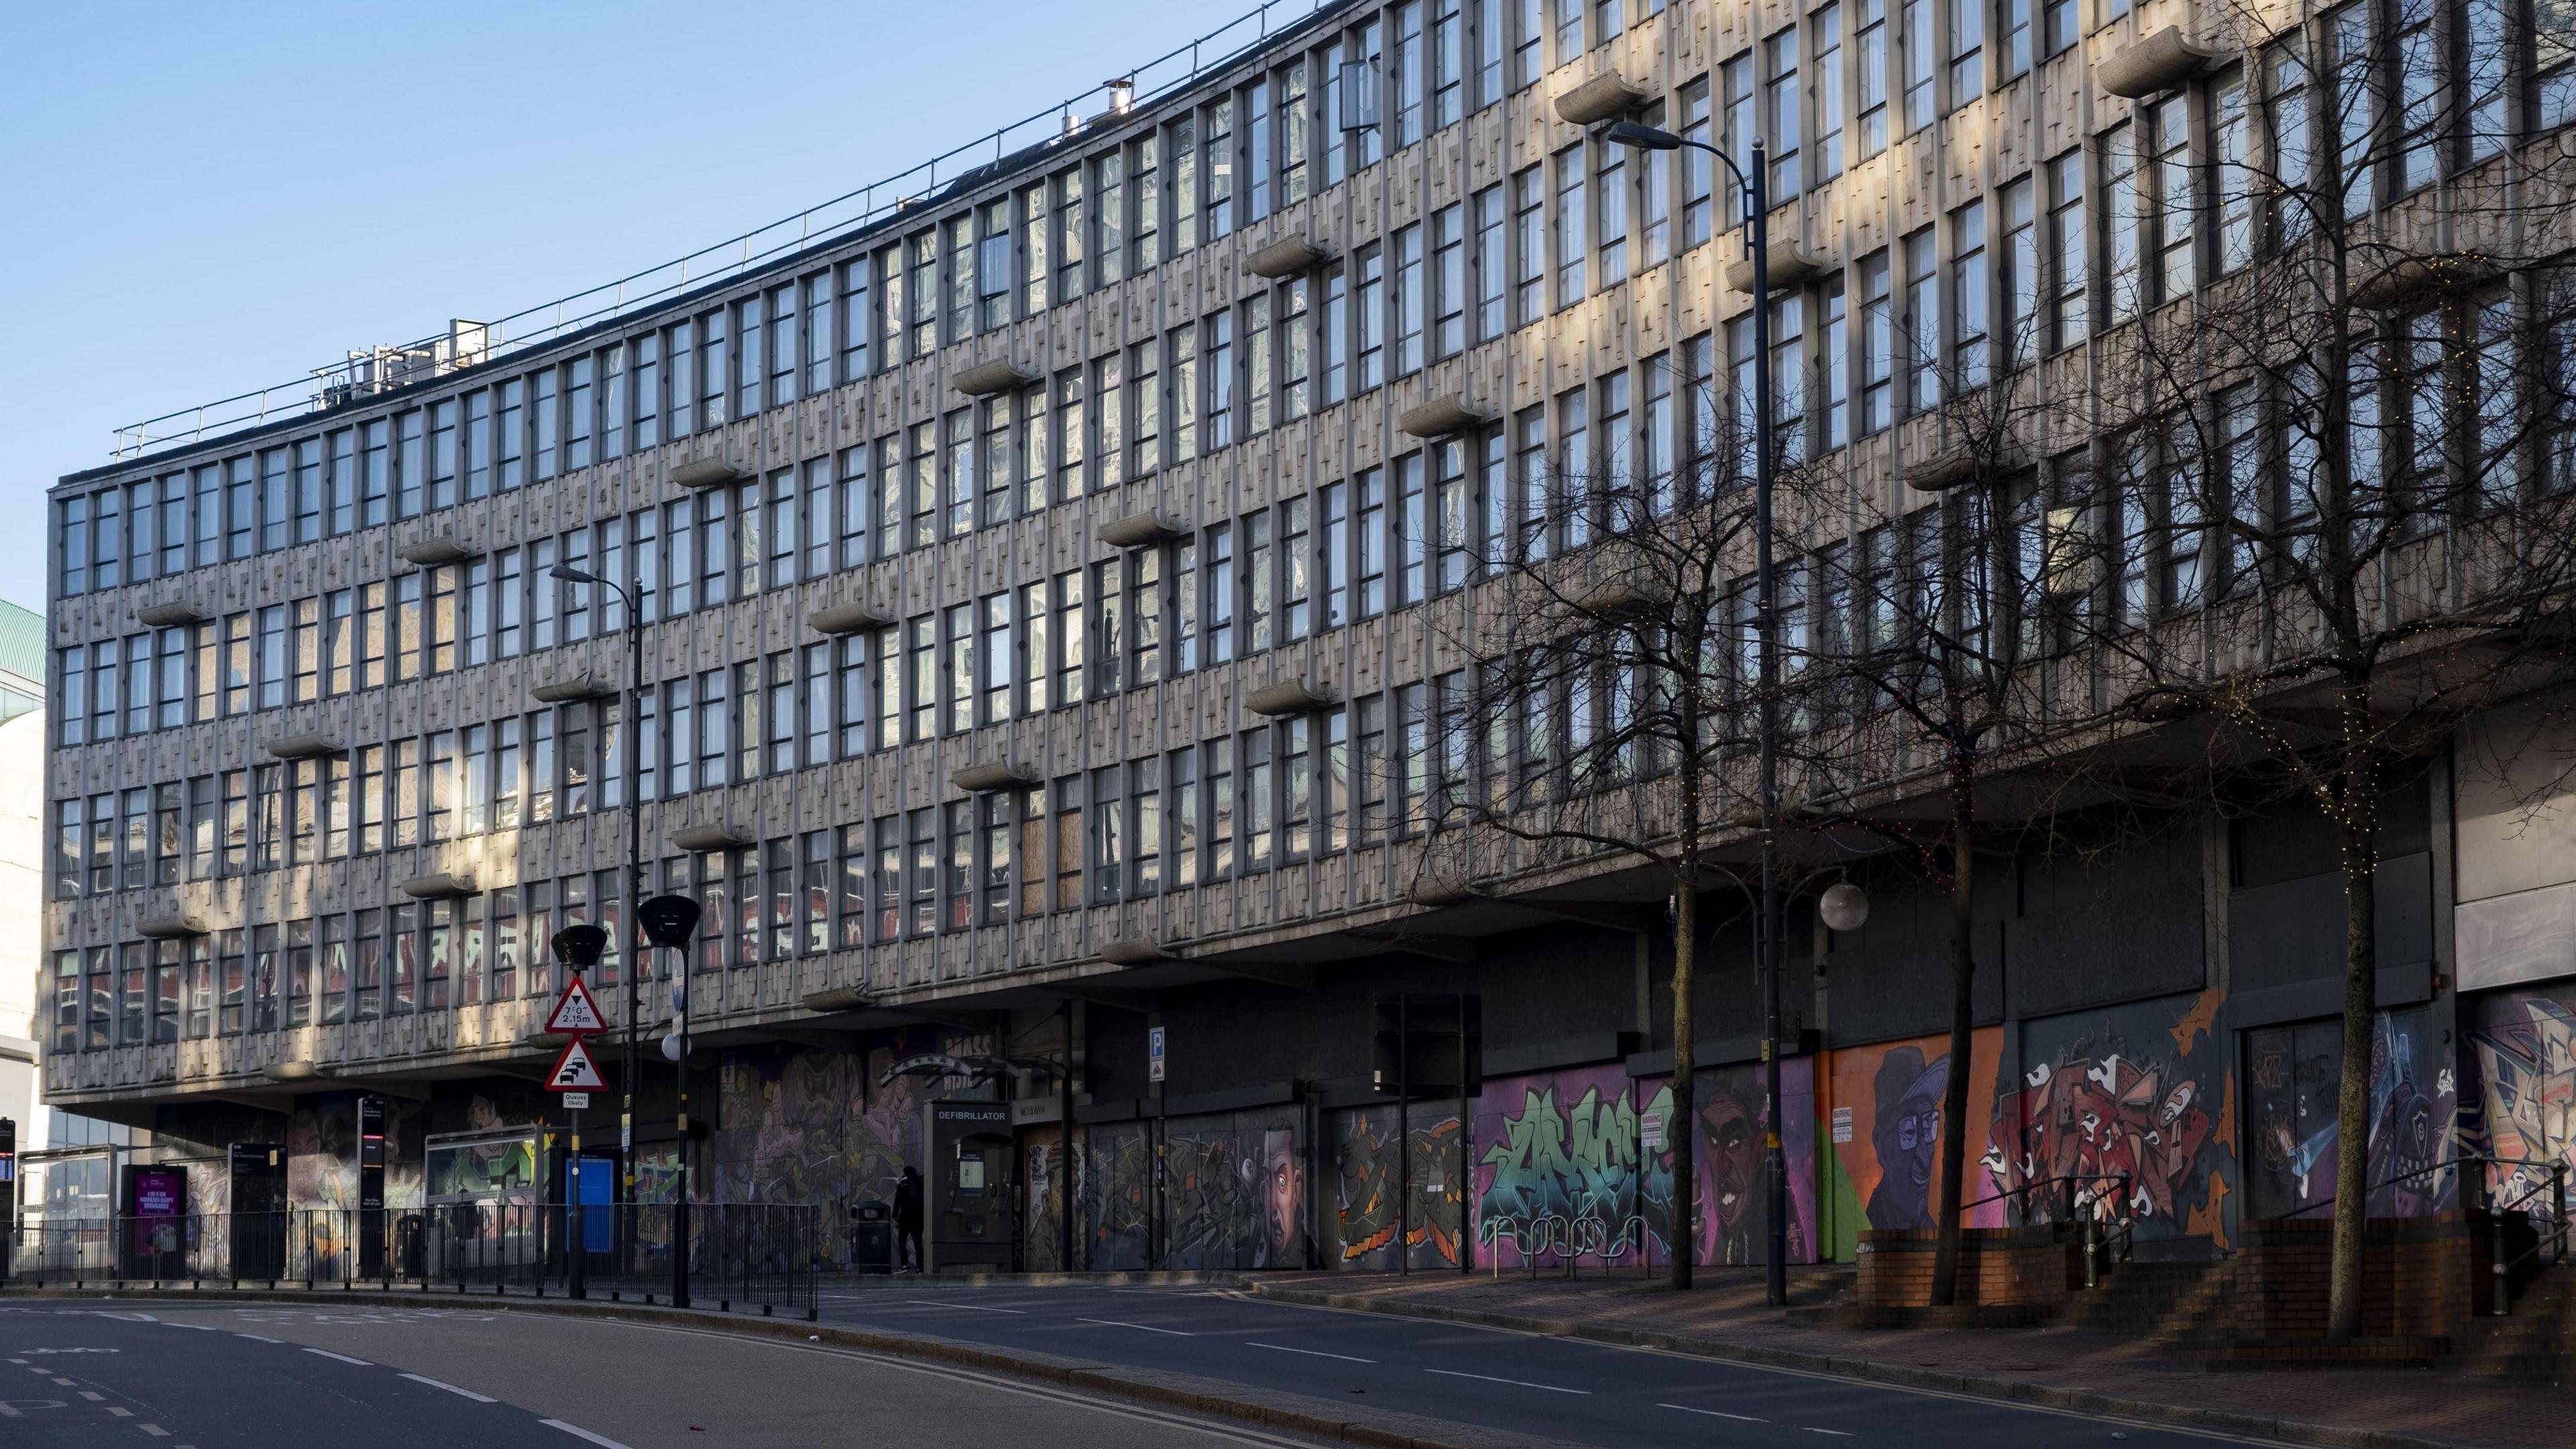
(207, 198)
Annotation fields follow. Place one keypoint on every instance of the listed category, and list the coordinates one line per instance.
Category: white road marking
(342, 1357)
(155, 1430)
(1147, 1327)
(969, 1307)
(1715, 1413)
(255, 1338)
(17, 1360)
(1837, 1433)
(200, 1327)
(1516, 1383)
(1309, 1352)
(94, 1397)
(66, 1383)
(578, 1432)
(453, 1389)
(120, 1413)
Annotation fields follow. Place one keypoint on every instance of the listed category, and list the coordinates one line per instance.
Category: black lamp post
(669, 922)
(579, 947)
(1753, 182)
(633, 750)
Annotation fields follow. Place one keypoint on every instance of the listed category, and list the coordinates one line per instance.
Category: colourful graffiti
(2520, 1105)
(2292, 1075)
(2114, 1115)
(1118, 1195)
(811, 1126)
(1880, 1112)
(1231, 1192)
(1567, 1171)
(1368, 1169)
(1559, 1177)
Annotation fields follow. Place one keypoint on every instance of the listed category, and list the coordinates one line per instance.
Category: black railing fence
(752, 1254)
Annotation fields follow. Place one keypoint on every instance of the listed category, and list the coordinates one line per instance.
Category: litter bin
(871, 1238)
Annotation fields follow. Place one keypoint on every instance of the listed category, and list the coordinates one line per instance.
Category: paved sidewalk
(2071, 1368)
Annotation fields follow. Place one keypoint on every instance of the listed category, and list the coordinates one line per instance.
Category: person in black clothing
(907, 1223)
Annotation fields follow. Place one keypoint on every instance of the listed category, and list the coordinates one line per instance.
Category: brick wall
(2421, 1277)
(1996, 1266)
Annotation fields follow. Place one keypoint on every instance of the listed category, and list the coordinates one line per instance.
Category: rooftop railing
(469, 344)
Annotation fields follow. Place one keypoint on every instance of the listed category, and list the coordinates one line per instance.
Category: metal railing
(843, 215)
(754, 1255)
(2504, 1219)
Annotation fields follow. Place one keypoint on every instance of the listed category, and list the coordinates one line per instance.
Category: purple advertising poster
(160, 1201)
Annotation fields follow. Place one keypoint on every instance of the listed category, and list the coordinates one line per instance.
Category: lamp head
(1646, 138)
(1844, 906)
(572, 575)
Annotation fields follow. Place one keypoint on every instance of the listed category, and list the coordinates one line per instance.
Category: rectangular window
(1610, 210)
(1877, 345)
(2230, 171)
(1967, 51)
(1573, 231)
(2167, 130)
(1368, 317)
(1782, 112)
(1410, 304)
(1491, 263)
(1529, 248)
(2068, 243)
(1970, 308)
(2124, 221)
(857, 322)
(2018, 269)
(1827, 25)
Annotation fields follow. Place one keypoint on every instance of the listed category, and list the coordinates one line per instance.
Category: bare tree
(2336, 474)
(1598, 717)
(1951, 614)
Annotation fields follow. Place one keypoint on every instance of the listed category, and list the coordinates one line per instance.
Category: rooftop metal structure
(467, 344)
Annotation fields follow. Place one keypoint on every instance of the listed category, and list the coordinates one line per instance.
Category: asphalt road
(175, 1376)
(1569, 1389)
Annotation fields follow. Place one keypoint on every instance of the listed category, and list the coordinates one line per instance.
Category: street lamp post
(1752, 181)
(670, 922)
(634, 962)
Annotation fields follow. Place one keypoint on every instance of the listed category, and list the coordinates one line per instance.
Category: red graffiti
(2096, 1121)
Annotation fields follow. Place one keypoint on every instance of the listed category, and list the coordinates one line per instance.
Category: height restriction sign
(575, 1014)
(574, 1071)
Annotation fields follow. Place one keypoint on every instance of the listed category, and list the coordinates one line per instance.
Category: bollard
(2496, 1267)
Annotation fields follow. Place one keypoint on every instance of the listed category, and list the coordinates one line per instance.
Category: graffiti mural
(806, 1125)
(1042, 1173)
(1733, 1206)
(2127, 1094)
(1233, 1191)
(1369, 1173)
(1224, 1191)
(321, 1184)
(1879, 1109)
(2292, 1074)
(1563, 1169)
(1557, 1169)
(2519, 1103)
(1118, 1195)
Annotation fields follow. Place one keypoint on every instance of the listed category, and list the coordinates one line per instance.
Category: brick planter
(2034, 1265)
(2421, 1277)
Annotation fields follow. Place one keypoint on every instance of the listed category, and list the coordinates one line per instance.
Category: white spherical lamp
(1844, 906)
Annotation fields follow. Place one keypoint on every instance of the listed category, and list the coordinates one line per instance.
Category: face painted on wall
(1284, 1194)
(1907, 1131)
(1734, 1160)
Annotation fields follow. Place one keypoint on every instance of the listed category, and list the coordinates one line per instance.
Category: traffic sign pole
(579, 1246)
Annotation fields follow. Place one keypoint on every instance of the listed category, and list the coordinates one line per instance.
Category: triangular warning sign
(575, 1014)
(574, 1071)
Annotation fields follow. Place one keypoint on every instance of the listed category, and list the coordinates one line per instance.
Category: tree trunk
(2356, 825)
(1678, 1133)
(1963, 1021)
